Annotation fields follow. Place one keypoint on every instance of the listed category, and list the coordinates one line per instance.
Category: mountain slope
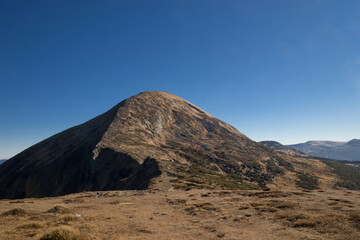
(2, 161)
(154, 140)
(64, 164)
(284, 149)
(332, 150)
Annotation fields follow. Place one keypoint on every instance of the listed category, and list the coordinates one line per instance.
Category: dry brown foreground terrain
(194, 214)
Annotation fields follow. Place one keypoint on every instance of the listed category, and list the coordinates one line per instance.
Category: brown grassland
(194, 214)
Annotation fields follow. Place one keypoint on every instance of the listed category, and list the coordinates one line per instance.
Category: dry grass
(17, 201)
(59, 209)
(75, 201)
(244, 207)
(33, 225)
(291, 216)
(19, 212)
(194, 209)
(340, 200)
(323, 223)
(42, 217)
(194, 214)
(269, 194)
(354, 218)
(70, 218)
(65, 233)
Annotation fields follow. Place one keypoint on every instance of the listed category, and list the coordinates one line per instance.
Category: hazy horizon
(278, 70)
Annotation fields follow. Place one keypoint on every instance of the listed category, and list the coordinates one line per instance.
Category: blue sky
(282, 70)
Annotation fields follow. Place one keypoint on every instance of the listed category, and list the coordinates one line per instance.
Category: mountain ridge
(154, 140)
(331, 149)
(283, 149)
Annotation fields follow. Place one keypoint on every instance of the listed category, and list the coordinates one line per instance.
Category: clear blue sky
(282, 70)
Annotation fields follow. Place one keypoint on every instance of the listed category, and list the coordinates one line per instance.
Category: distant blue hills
(2, 161)
(330, 149)
(349, 151)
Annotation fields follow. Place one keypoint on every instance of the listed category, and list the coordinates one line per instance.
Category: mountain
(284, 149)
(155, 140)
(333, 150)
(2, 161)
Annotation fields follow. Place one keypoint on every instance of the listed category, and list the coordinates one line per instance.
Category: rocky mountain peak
(150, 140)
(157, 119)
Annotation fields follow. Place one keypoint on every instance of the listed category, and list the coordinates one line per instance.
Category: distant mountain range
(325, 149)
(329, 149)
(284, 149)
(2, 161)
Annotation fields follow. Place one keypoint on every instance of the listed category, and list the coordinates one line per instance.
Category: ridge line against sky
(276, 70)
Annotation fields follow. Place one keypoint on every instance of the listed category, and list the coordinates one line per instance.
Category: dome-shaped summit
(147, 137)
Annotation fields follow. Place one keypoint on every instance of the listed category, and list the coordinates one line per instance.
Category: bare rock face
(151, 140)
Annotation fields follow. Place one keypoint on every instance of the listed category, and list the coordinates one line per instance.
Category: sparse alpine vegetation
(307, 181)
(196, 214)
(350, 176)
(65, 233)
